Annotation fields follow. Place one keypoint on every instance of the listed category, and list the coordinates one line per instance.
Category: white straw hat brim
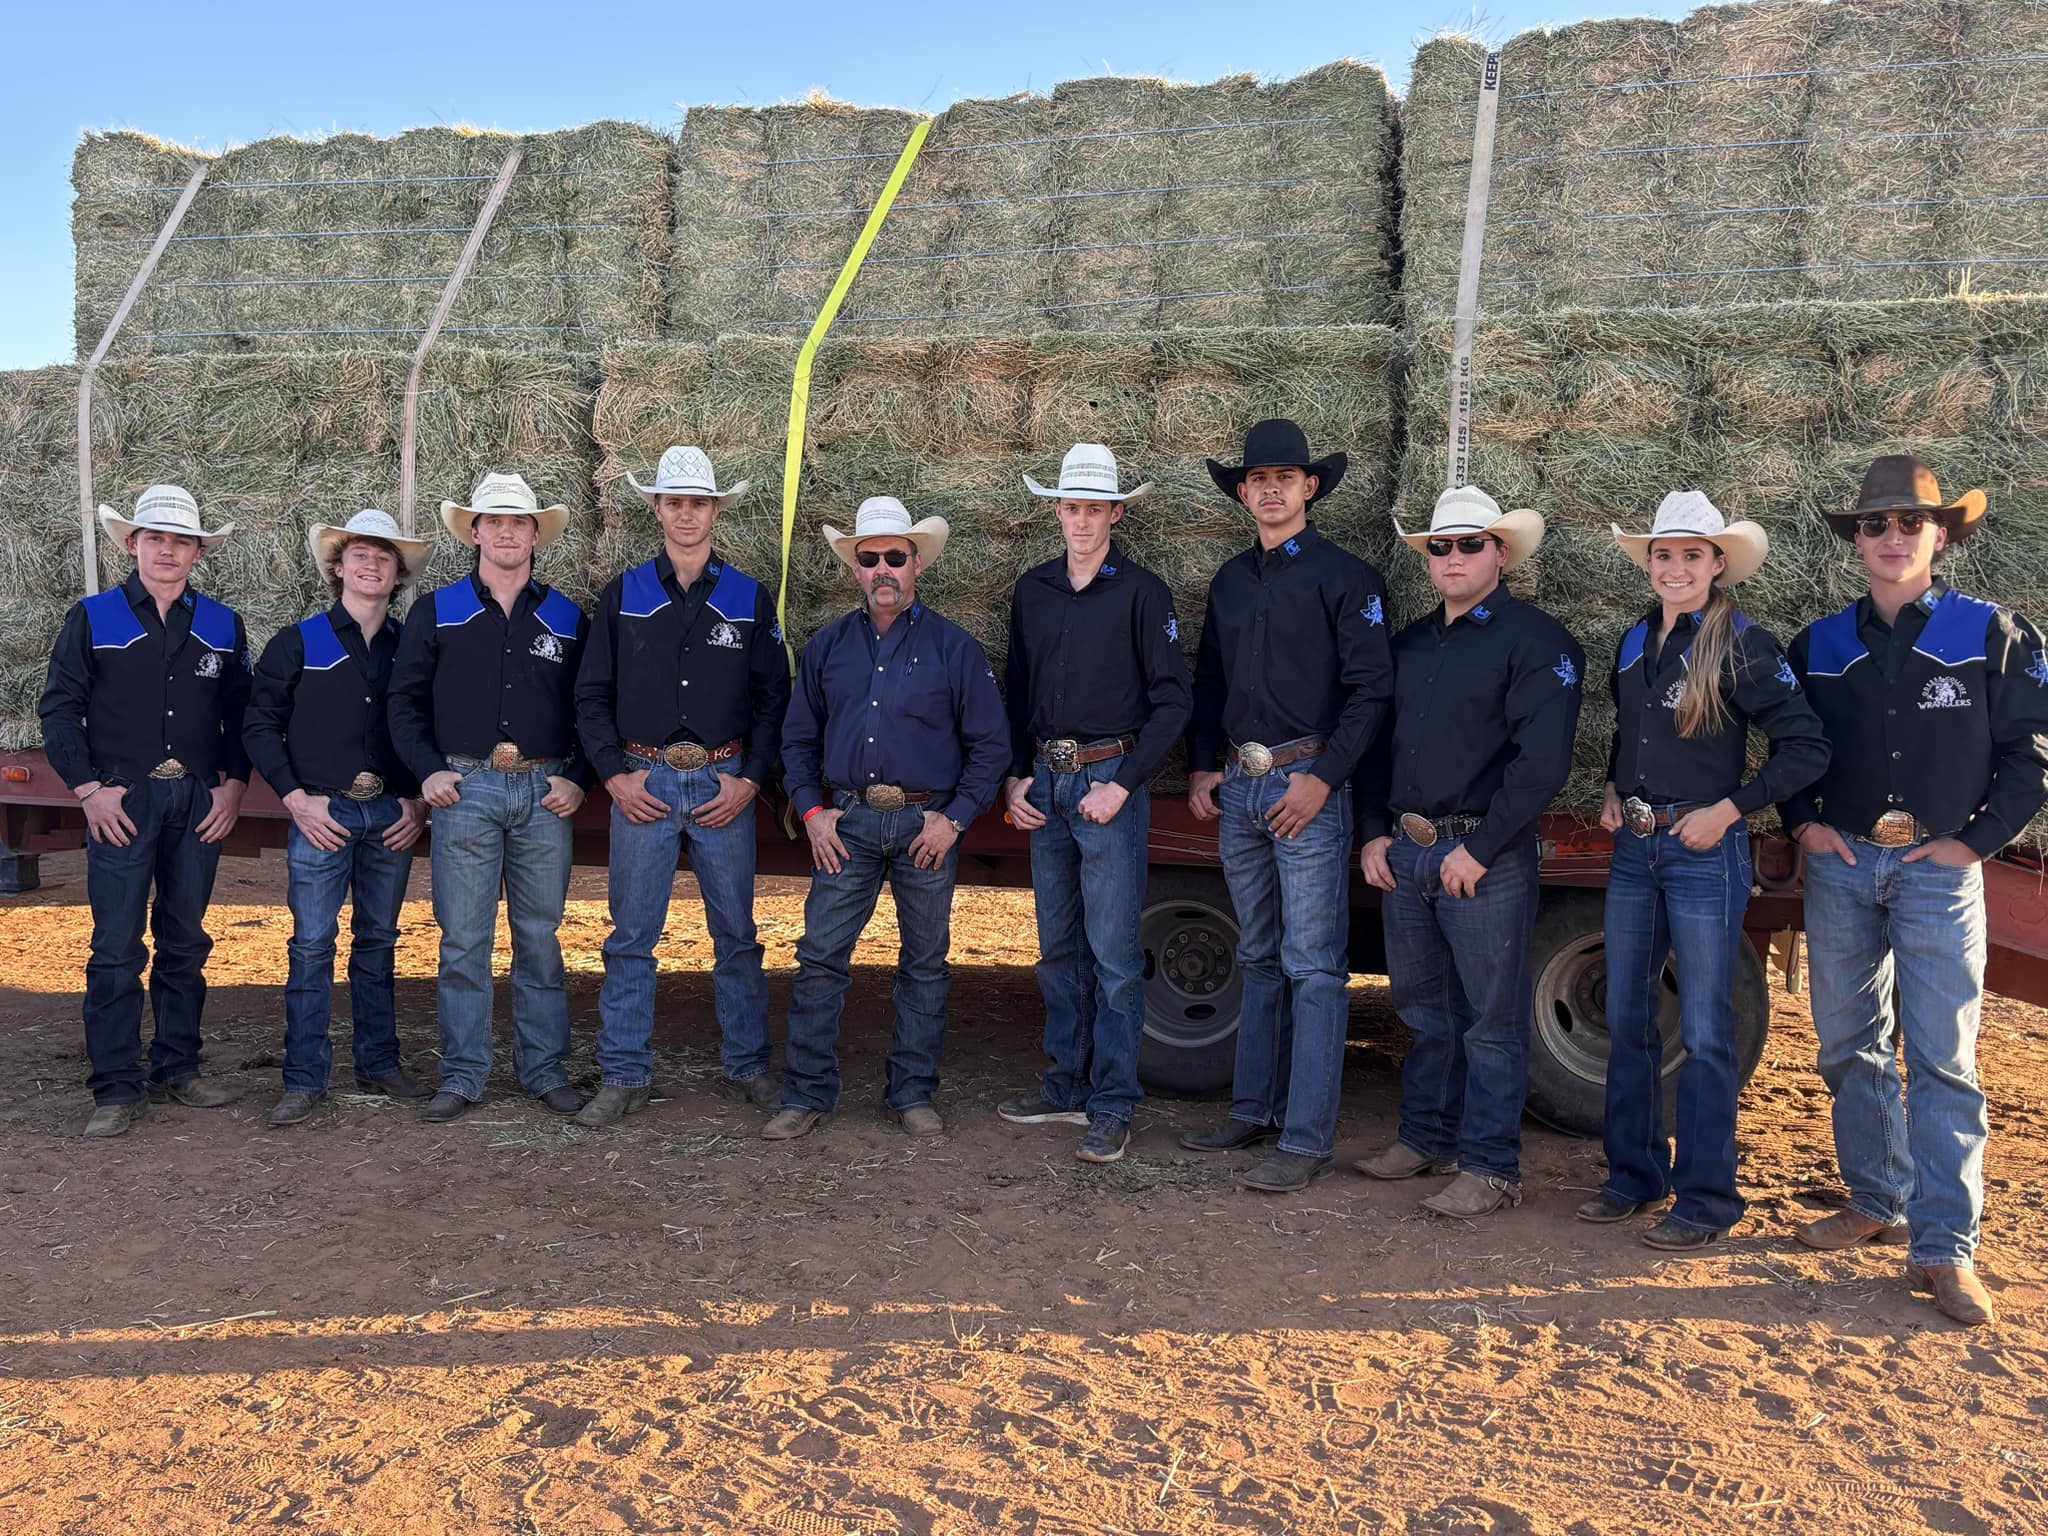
(657, 489)
(1054, 493)
(1519, 531)
(119, 527)
(325, 541)
(928, 536)
(554, 521)
(1744, 545)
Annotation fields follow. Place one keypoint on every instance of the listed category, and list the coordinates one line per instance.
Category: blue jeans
(371, 877)
(643, 873)
(499, 831)
(1294, 918)
(1089, 884)
(838, 908)
(1663, 898)
(1921, 925)
(165, 852)
(1460, 973)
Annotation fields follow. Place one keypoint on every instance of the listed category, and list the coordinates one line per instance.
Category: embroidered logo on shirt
(1786, 675)
(1481, 613)
(1372, 612)
(1674, 693)
(1172, 627)
(1566, 670)
(1109, 570)
(1292, 546)
(209, 665)
(2039, 670)
(775, 629)
(1944, 693)
(724, 634)
(547, 648)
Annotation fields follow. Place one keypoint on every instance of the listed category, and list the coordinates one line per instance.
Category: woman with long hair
(1689, 682)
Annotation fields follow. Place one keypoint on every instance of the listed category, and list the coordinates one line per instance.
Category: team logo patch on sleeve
(1786, 675)
(547, 647)
(1944, 692)
(1373, 612)
(2039, 670)
(1566, 670)
(726, 635)
(1172, 627)
(209, 664)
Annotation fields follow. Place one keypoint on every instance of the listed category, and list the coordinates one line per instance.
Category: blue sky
(218, 76)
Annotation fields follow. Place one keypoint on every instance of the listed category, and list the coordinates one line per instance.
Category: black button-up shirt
(1294, 643)
(1650, 759)
(1103, 661)
(468, 677)
(1485, 710)
(916, 708)
(665, 663)
(129, 687)
(1943, 713)
(317, 714)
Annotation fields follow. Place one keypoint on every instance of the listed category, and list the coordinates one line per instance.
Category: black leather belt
(1427, 831)
(1065, 754)
(1257, 761)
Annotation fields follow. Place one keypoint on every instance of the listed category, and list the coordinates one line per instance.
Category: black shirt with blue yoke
(666, 664)
(467, 677)
(1650, 760)
(130, 689)
(317, 715)
(916, 708)
(1942, 713)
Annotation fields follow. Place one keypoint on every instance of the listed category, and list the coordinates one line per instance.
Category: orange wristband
(812, 812)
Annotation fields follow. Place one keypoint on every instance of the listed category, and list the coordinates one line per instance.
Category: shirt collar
(1927, 601)
(665, 568)
(1290, 551)
(342, 619)
(1489, 607)
(138, 594)
(476, 580)
(1112, 566)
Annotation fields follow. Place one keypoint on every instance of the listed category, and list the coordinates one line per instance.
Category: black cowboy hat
(1279, 444)
(1898, 482)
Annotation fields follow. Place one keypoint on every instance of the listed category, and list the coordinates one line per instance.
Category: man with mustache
(895, 741)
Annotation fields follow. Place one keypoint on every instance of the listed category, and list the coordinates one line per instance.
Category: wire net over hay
(1591, 416)
(272, 444)
(1853, 150)
(1114, 204)
(346, 242)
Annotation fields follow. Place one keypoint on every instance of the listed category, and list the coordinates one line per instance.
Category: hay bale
(1774, 410)
(1116, 204)
(576, 257)
(272, 442)
(1853, 150)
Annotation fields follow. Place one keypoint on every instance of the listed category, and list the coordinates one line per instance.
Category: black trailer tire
(1568, 1035)
(1194, 992)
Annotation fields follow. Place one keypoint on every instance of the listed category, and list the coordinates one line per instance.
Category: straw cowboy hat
(504, 496)
(1466, 510)
(1088, 473)
(1898, 482)
(884, 517)
(1279, 444)
(164, 509)
(1689, 515)
(326, 540)
(686, 472)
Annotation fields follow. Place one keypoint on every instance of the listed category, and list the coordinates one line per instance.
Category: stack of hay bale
(1873, 154)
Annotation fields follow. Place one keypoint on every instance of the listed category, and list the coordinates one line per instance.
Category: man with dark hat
(483, 711)
(680, 703)
(142, 719)
(1935, 704)
(1486, 700)
(1098, 694)
(319, 731)
(1292, 682)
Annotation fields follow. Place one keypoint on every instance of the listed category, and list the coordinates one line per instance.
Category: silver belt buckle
(169, 768)
(687, 756)
(1063, 755)
(1419, 830)
(1637, 815)
(1255, 759)
(365, 786)
(884, 797)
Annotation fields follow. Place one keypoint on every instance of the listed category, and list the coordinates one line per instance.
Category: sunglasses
(870, 558)
(1470, 544)
(1909, 523)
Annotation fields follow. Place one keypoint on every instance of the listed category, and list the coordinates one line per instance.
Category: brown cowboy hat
(1898, 482)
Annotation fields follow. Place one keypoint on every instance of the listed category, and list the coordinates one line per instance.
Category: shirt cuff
(755, 767)
(610, 760)
(806, 797)
(1372, 825)
(1205, 757)
(1751, 798)
(283, 784)
(1983, 836)
(1483, 844)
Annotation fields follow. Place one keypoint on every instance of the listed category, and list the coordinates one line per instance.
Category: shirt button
(686, 682)
(874, 703)
(1896, 756)
(871, 742)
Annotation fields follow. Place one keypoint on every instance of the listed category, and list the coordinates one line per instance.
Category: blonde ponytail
(1703, 706)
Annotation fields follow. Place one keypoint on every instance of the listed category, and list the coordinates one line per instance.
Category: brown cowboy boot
(1957, 1292)
(1845, 1229)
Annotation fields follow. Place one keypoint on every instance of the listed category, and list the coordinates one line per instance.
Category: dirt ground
(375, 1326)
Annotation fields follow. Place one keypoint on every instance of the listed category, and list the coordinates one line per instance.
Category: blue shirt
(916, 708)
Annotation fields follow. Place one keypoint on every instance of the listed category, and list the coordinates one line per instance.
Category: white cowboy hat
(1088, 473)
(884, 517)
(686, 472)
(165, 509)
(1690, 515)
(1466, 509)
(504, 496)
(326, 540)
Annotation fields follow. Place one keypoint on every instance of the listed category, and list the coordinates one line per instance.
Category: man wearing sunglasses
(895, 740)
(1936, 707)
(1486, 701)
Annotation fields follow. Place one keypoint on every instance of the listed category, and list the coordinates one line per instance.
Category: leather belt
(169, 768)
(1896, 829)
(1642, 818)
(1065, 754)
(1427, 831)
(364, 786)
(686, 756)
(886, 797)
(1256, 761)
